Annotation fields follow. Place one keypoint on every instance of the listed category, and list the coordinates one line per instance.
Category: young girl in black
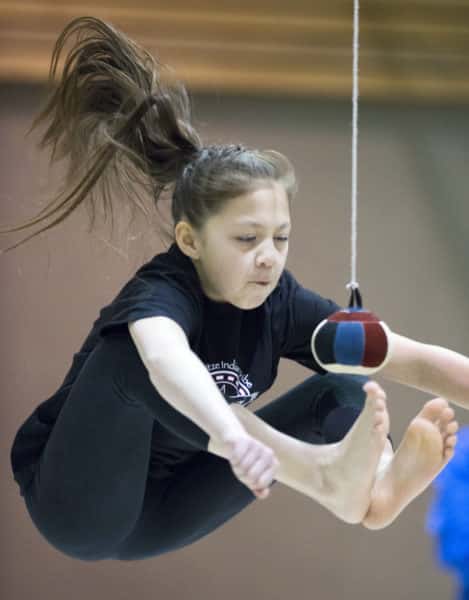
(147, 445)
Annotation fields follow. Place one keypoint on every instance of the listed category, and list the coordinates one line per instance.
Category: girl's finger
(256, 470)
(239, 452)
(266, 478)
(249, 460)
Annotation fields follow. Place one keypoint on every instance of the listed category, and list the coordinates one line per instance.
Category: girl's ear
(187, 239)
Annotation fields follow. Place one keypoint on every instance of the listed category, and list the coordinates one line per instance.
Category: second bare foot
(427, 447)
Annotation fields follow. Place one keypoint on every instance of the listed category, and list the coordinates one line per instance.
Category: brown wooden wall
(411, 50)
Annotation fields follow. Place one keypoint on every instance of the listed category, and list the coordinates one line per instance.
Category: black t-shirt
(240, 348)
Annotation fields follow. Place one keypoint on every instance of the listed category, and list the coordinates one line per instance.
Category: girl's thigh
(89, 486)
(200, 496)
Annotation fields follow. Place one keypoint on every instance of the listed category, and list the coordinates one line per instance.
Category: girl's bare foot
(427, 447)
(349, 469)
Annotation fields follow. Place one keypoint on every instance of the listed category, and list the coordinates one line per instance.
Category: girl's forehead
(258, 206)
(251, 222)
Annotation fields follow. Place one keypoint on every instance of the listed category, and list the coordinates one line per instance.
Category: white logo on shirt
(231, 382)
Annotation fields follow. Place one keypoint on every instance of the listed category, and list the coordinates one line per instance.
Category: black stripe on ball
(324, 342)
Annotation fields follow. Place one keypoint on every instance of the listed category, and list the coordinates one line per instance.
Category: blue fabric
(349, 346)
(448, 516)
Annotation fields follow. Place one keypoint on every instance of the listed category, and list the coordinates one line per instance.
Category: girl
(147, 445)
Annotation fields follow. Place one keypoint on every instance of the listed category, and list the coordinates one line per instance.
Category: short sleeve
(160, 298)
(304, 310)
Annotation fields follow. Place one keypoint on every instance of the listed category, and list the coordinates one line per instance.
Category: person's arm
(181, 378)
(429, 368)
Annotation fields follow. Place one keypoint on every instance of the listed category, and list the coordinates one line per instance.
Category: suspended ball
(352, 340)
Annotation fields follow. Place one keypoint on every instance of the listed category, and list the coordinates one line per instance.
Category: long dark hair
(117, 122)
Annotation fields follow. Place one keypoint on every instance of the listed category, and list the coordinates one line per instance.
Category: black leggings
(92, 497)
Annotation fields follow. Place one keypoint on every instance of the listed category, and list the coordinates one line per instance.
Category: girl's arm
(181, 378)
(429, 368)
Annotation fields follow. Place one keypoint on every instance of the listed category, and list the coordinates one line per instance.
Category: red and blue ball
(351, 340)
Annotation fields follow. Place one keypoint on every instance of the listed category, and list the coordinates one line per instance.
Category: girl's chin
(249, 304)
(250, 300)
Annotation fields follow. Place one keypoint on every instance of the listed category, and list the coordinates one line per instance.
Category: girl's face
(241, 252)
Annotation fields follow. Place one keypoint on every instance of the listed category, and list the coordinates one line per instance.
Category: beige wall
(413, 249)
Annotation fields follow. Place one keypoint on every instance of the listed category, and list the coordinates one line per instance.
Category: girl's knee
(345, 381)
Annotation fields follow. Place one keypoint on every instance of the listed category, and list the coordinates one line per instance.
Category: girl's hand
(253, 463)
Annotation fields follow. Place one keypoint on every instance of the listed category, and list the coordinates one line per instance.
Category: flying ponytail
(114, 120)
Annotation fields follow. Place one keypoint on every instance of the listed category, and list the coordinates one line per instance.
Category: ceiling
(410, 50)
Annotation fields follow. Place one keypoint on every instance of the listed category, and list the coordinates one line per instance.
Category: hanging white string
(356, 24)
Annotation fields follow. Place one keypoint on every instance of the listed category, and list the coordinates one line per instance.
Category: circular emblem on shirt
(232, 383)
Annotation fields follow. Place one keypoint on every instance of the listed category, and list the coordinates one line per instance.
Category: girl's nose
(266, 256)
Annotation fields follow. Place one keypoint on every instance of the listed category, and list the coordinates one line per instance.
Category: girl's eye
(253, 238)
